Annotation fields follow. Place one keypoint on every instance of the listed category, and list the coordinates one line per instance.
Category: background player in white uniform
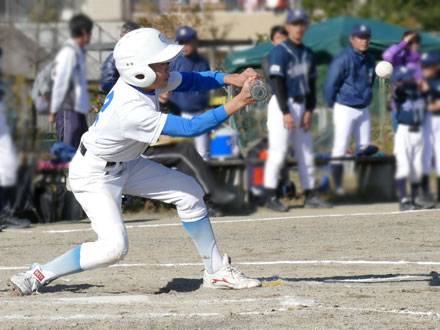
(8, 170)
(431, 85)
(348, 90)
(293, 78)
(409, 137)
(109, 163)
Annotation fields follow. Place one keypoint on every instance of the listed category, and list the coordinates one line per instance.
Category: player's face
(86, 36)
(361, 43)
(429, 72)
(162, 71)
(278, 38)
(164, 97)
(189, 47)
(414, 46)
(296, 30)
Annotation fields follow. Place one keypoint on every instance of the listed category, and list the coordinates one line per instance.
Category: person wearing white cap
(109, 163)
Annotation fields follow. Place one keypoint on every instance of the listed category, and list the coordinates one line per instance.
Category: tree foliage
(414, 14)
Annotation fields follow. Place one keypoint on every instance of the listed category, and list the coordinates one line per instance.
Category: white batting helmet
(137, 49)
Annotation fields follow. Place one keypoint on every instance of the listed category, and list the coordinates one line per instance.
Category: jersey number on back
(107, 102)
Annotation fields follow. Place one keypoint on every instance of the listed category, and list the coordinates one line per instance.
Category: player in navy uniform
(431, 86)
(293, 75)
(348, 90)
(195, 102)
(408, 140)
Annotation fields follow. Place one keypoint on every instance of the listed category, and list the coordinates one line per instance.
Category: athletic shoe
(316, 202)
(214, 212)
(7, 219)
(229, 277)
(340, 191)
(274, 204)
(222, 197)
(406, 205)
(25, 283)
(422, 203)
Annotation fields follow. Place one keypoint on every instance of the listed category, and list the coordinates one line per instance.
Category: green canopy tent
(329, 38)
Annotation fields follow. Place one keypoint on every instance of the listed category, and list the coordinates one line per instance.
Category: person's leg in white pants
(428, 153)
(99, 191)
(344, 120)
(279, 140)
(201, 142)
(303, 148)
(362, 130)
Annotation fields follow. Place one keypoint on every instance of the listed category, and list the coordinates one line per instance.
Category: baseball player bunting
(108, 162)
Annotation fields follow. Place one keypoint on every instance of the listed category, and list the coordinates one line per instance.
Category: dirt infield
(351, 267)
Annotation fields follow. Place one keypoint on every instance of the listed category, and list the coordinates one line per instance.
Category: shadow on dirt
(71, 288)
(181, 285)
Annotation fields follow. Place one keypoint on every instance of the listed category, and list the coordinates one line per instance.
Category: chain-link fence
(250, 122)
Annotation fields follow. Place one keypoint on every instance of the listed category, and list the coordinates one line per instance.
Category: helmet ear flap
(140, 77)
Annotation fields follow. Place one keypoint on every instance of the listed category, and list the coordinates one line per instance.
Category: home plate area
(354, 267)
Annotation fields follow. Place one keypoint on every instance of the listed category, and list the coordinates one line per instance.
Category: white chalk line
(252, 220)
(276, 262)
(286, 302)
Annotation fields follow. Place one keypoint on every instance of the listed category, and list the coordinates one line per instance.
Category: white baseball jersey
(129, 121)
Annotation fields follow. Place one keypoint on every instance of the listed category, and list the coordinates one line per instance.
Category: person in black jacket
(109, 74)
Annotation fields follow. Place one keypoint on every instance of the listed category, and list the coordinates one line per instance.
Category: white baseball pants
(408, 149)
(349, 121)
(8, 157)
(279, 141)
(435, 141)
(99, 190)
(201, 142)
(428, 139)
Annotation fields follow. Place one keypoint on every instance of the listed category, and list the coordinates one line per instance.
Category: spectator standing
(69, 99)
(192, 103)
(348, 90)
(293, 75)
(430, 84)
(408, 140)
(405, 53)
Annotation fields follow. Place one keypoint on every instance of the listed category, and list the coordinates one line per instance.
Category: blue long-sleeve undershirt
(200, 81)
(178, 126)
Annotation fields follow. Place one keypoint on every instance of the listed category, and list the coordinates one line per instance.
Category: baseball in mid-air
(384, 69)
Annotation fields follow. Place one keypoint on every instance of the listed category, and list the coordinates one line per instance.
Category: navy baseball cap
(402, 73)
(186, 33)
(296, 15)
(430, 58)
(360, 30)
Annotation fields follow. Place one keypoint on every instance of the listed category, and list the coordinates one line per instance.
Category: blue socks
(200, 232)
(66, 264)
(203, 237)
